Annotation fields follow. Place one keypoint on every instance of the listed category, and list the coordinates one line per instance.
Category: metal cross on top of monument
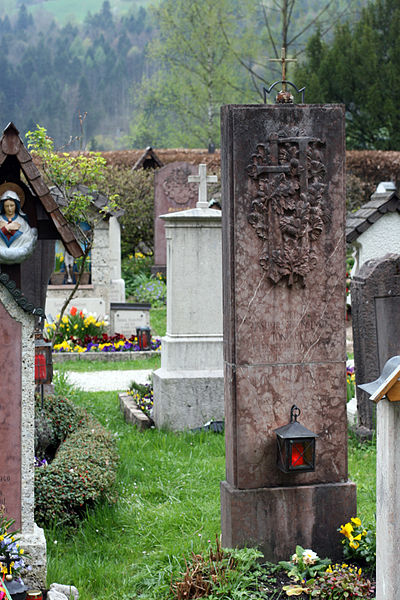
(284, 96)
(202, 179)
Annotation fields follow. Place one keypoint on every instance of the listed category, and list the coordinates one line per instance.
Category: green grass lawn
(82, 366)
(167, 505)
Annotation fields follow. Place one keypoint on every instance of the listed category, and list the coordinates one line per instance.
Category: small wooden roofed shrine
(18, 170)
(148, 160)
(14, 158)
(370, 213)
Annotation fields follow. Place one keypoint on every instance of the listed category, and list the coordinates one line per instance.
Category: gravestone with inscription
(172, 193)
(375, 294)
(17, 416)
(284, 330)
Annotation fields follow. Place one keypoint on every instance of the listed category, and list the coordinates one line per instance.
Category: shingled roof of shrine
(369, 213)
(12, 145)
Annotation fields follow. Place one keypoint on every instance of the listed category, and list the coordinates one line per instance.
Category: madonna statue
(17, 238)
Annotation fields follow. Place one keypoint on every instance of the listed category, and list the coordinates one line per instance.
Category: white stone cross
(202, 179)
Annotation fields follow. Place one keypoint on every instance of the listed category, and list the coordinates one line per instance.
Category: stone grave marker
(189, 387)
(375, 302)
(284, 330)
(125, 317)
(17, 416)
(172, 193)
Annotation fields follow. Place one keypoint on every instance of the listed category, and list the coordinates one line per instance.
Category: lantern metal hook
(294, 413)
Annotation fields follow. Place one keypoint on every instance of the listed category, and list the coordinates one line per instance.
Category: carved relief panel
(286, 203)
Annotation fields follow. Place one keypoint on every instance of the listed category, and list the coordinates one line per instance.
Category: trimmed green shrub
(83, 470)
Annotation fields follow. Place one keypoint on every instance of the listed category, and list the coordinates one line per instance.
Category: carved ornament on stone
(286, 203)
(177, 189)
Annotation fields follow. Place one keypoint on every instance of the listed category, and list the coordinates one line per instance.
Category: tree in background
(194, 73)
(361, 69)
(267, 27)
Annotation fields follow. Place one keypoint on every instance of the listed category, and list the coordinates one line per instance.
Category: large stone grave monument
(189, 386)
(375, 295)
(172, 193)
(284, 331)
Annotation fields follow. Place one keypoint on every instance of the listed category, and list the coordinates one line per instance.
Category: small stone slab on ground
(58, 591)
(133, 414)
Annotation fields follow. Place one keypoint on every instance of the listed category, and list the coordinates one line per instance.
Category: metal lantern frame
(143, 335)
(43, 360)
(295, 446)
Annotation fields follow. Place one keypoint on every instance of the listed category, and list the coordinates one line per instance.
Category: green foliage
(142, 395)
(135, 191)
(359, 543)
(151, 289)
(342, 581)
(360, 68)
(82, 472)
(61, 415)
(304, 564)
(67, 172)
(219, 574)
(195, 73)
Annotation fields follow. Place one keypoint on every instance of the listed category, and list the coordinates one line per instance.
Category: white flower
(294, 559)
(309, 557)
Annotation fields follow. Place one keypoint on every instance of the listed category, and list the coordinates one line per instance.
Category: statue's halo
(14, 187)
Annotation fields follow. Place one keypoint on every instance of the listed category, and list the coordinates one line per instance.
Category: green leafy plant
(304, 564)
(219, 574)
(150, 289)
(359, 543)
(142, 394)
(83, 463)
(342, 581)
(75, 178)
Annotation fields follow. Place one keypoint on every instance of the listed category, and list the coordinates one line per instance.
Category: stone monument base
(34, 544)
(276, 519)
(187, 399)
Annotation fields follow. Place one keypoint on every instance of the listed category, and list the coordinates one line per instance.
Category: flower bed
(105, 343)
(80, 332)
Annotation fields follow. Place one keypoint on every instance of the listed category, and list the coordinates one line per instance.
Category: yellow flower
(346, 530)
(21, 551)
(356, 521)
(354, 545)
(329, 569)
(364, 532)
(64, 319)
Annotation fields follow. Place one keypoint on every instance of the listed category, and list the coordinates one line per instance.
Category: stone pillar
(117, 288)
(284, 330)
(387, 500)
(17, 408)
(375, 306)
(188, 388)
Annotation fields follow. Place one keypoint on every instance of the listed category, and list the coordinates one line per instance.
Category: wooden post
(387, 500)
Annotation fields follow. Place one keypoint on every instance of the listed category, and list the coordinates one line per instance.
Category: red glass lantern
(296, 445)
(144, 338)
(43, 360)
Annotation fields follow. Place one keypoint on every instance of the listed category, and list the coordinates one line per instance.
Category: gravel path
(105, 381)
